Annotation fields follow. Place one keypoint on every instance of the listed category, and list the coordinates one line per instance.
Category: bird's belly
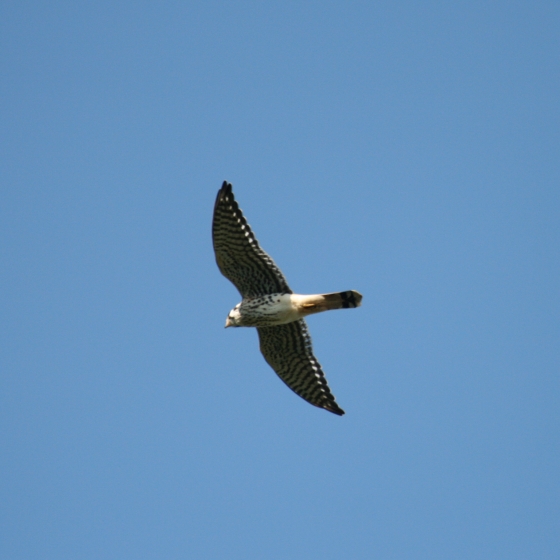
(267, 311)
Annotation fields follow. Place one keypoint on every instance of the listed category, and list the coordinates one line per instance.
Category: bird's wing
(238, 254)
(287, 349)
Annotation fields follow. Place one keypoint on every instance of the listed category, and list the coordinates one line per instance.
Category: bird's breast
(268, 310)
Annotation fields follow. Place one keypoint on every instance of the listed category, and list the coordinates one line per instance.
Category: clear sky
(408, 150)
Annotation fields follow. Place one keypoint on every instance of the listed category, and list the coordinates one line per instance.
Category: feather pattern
(288, 350)
(238, 254)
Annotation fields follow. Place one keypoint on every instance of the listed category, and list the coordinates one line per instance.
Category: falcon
(269, 304)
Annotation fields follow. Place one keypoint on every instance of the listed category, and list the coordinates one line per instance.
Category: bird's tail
(342, 300)
(325, 302)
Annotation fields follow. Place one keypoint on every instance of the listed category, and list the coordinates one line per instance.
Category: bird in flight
(270, 305)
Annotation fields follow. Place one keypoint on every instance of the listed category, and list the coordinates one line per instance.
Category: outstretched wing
(238, 254)
(287, 349)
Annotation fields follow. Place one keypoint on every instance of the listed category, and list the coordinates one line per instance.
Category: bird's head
(234, 317)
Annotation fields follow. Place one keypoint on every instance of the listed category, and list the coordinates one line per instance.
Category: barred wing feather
(238, 254)
(288, 351)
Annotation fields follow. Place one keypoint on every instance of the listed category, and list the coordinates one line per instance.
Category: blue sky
(407, 150)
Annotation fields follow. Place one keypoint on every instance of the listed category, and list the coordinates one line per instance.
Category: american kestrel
(269, 305)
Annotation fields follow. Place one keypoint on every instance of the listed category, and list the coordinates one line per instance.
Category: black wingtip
(222, 193)
(334, 408)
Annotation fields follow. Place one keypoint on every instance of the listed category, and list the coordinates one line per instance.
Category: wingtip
(335, 409)
(224, 191)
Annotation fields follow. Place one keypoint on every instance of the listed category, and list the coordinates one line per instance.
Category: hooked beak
(228, 323)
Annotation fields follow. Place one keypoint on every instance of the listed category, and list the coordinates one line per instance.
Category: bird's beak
(228, 323)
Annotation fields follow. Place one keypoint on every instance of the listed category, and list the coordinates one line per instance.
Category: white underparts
(279, 309)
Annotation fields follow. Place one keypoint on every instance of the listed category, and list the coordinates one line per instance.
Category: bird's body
(278, 309)
(270, 305)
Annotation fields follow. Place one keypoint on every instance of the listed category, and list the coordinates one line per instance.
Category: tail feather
(342, 300)
(308, 305)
